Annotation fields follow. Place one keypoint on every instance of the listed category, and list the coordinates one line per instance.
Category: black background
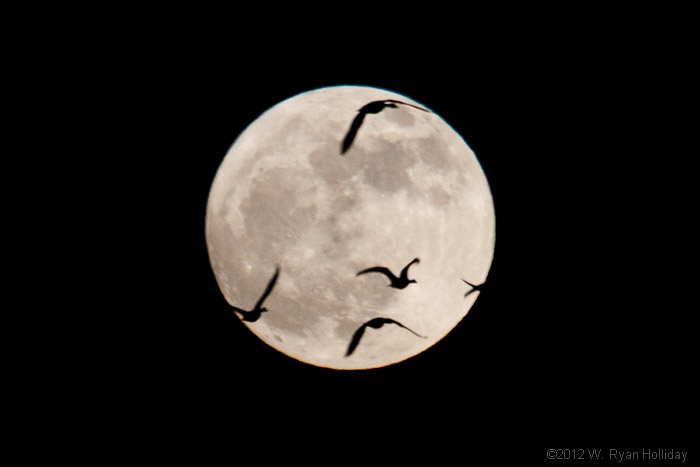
(581, 333)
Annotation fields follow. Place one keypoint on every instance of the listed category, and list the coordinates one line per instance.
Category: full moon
(286, 197)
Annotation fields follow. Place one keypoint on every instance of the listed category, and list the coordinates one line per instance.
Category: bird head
(412, 281)
(263, 310)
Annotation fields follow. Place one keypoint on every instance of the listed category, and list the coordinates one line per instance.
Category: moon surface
(408, 187)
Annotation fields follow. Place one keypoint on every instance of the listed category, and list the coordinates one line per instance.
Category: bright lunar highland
(408, 187)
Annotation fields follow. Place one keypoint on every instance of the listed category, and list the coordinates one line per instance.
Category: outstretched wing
(356, 339)
(404, 271)
(381, 270)
(389, 320)
(475, 286)
(406, 103)
(352, 132)
(267, 291)
(470, 292)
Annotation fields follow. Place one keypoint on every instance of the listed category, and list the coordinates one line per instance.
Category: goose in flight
(375, 323)
(373, 107)
(474, 288)
(254, 314)
(396, 282)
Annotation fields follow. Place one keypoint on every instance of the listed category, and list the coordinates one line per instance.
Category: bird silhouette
(396, 282)
(373, 107)
(375, 323)
(475, 288)
(254, 314)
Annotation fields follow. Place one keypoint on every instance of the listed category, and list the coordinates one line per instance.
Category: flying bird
(396, 282)
(373, 107)
(474, 287)
(375, 323)
(254, 314)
